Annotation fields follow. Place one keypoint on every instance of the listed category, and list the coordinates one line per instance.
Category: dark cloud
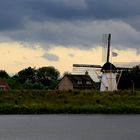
(81, 9)
(71, 22)
(14, 13)
(112, 9)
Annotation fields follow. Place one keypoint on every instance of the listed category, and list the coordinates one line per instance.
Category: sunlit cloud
(15, 57)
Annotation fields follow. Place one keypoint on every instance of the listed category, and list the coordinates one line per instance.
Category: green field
(72, 102)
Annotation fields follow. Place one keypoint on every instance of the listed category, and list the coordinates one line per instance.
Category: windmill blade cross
(87, 65)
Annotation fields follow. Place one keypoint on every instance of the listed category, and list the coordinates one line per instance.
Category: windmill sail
(87, 66)
(108, 47)
(105, 40)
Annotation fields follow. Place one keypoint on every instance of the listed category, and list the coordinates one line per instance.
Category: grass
(72, 102)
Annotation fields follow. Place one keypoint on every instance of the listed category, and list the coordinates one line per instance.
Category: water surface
(70, 127)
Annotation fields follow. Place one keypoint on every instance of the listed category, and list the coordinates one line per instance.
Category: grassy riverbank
(76, 102)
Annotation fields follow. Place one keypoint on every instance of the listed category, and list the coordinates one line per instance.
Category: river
(70, 127)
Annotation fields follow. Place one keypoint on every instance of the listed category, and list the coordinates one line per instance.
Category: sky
(60, 33)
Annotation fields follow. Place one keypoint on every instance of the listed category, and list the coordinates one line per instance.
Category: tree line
(130, 79)
(48, 78)
(32, 78)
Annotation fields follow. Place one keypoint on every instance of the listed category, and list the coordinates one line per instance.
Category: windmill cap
(108, 67)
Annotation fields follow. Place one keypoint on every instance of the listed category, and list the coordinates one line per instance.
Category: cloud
(75, 23)
(50, 57)
(86, 34)
(68, 10)
(71, 55)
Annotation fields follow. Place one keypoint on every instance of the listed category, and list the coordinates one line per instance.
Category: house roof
(3, 84)
(83, 81)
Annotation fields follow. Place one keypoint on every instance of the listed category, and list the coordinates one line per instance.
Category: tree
(125, 80)
(130, 78)
(4, 74)
(27, 75)
(48, 76)
(31, 78)
(14, 83)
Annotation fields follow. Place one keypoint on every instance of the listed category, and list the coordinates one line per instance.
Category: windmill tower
(109, 71)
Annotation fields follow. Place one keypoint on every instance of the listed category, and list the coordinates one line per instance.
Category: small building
(4, 85)
(74, 82)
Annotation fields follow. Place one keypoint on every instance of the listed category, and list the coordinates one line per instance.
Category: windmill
(109, 80)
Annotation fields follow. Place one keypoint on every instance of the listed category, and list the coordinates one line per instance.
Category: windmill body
(108, 78)
(108, 82)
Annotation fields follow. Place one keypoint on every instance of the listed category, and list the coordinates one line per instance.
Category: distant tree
(136, 76)
(130, 78)
(15, 77)
(33, 86)
(31, 78)
(27, 75)
(125, 80)
(4, 74)
(48, 76)
(14, 84)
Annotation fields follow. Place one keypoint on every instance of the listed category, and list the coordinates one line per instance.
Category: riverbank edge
(76, 102)
(68, 110)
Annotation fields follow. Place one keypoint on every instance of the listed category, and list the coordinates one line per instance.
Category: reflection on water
(70, 127)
